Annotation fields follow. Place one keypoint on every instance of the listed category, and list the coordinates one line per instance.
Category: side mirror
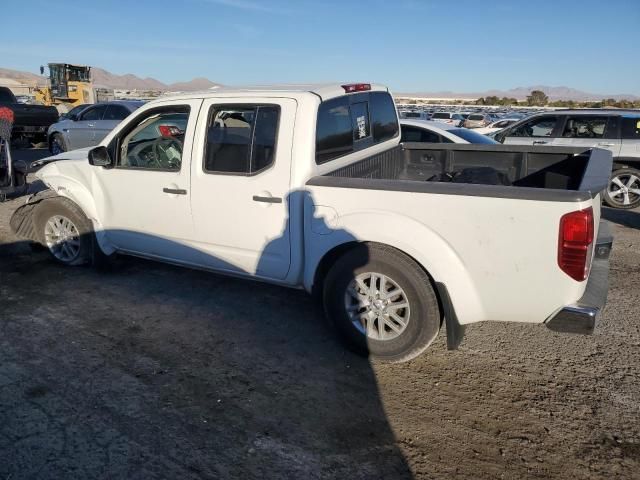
(99, 157)
(501, 135)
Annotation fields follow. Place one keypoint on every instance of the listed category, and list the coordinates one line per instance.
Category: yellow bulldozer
(69, 86)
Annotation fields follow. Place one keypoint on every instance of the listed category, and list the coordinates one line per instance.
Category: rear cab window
(350, 123)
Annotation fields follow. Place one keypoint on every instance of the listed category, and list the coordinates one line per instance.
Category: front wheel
(623, 190)
(57, 144)
(64, 230)
(381, 303)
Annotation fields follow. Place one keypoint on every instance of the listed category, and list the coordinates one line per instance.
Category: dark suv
(614, 130)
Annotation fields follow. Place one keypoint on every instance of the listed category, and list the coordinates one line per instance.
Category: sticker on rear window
(362, 126)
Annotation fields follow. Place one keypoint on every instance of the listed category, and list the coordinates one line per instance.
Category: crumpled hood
(79, 154)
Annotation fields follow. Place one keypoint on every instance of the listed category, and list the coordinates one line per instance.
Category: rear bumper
(581, 317)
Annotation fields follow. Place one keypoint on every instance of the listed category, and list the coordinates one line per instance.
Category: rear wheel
(381, 303)
(623, 190)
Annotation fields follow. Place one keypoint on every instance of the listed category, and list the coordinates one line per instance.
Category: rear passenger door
(240, 181)
(600, 131)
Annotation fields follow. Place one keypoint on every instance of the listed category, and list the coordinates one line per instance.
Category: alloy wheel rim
(624, 189)
(62, 238)
(377, 306)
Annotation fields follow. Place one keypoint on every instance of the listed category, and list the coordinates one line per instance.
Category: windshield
(476, 116)
(471, 136)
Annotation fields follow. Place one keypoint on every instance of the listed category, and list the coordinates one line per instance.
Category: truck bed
(536, 173)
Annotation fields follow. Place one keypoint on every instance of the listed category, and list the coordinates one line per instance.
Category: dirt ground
(152, 371)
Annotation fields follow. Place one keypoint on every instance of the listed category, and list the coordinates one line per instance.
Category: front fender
(75, 180)
(408, 235)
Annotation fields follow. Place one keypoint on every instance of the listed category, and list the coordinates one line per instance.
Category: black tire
(618, 201)
(58, 206)
(58, 139)
(423, 323)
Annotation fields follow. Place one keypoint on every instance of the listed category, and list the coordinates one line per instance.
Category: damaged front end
(21, 221)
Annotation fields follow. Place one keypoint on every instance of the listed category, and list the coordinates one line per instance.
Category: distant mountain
(22, 77)
(554, 93)
(199, 83)
(103, 78)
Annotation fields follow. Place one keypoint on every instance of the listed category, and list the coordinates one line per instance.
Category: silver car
(87, 126)
(616, 130)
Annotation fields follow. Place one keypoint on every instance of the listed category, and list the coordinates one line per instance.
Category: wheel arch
(625, 162)
(425, 247)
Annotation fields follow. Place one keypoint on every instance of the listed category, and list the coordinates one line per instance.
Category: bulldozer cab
(70, 83)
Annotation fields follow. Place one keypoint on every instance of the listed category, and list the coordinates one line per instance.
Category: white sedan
(438, 132)
(497, 126)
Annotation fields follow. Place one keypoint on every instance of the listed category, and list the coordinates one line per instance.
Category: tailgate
(34, 115)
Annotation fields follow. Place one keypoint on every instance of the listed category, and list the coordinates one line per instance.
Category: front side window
(116, 112)
(94, 113)
(241, 139)
(156, 140)
(538, 127)
(584, 126)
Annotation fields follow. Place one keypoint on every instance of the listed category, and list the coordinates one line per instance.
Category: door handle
(604, 144)
(540, 142)
(175, 191)
(91, 124)
(258, 198)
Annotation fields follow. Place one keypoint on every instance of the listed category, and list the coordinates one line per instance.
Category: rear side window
(350, 123)
(441, 115)
(94, 113)
(583, 126)
(241, 140)
(631, 128)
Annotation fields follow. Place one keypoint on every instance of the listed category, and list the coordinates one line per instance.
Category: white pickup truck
(309, 187)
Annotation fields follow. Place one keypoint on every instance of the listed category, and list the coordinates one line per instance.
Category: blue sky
(410, 45)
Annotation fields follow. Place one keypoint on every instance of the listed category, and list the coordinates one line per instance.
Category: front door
(240, 181)
(82, 131)
(145, 203)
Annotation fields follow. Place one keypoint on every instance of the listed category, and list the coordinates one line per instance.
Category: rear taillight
(169, 130)
(357, 87)
(575, 243)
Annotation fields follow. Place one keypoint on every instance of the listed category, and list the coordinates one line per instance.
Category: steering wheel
(161, 147)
